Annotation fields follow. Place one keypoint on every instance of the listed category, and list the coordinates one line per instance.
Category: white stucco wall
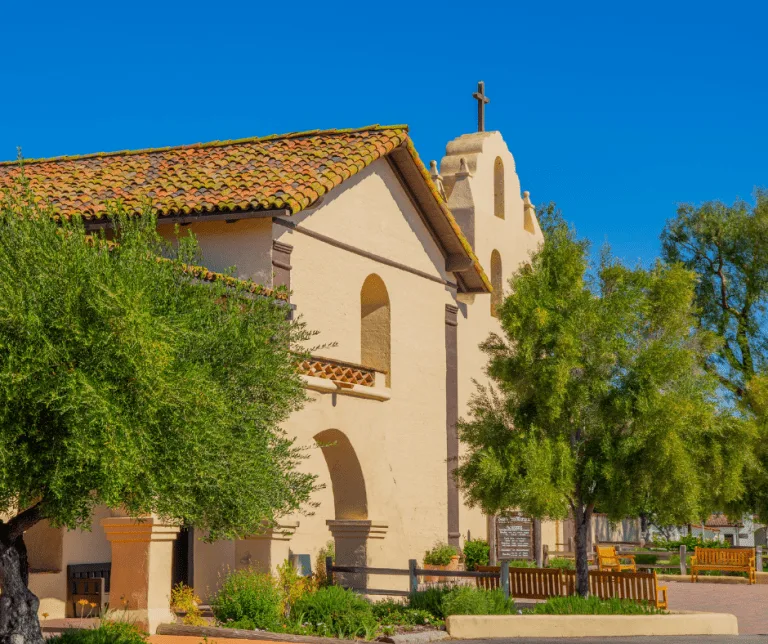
(508, 236)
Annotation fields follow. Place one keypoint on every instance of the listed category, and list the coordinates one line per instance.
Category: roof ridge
(210, 144)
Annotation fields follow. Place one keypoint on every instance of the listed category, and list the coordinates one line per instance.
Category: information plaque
(514, 537)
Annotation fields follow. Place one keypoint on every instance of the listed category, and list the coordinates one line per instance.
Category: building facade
(398, 268)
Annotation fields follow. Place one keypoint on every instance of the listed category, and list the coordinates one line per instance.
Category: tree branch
(24, 521)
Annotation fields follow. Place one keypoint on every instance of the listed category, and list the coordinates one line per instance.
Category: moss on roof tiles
(291, 171)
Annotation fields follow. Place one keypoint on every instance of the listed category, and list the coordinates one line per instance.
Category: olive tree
(127, 381)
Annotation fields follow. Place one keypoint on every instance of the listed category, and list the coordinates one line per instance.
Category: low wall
(508, 626)
(51, 589)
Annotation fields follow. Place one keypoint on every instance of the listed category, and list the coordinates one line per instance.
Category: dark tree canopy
(126, 381)
(599, 402)
(727, 247)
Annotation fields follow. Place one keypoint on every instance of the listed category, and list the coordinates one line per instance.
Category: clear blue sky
(617, 111)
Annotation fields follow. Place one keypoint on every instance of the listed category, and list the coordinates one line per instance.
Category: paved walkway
(184, 639)
(748, 603)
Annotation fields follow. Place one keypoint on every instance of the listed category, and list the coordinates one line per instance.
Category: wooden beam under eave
(200, 218)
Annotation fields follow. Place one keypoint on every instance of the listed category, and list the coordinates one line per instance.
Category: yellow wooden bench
(608, 559)
(725, 559)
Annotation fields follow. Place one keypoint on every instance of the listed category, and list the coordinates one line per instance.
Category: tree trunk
(18, 606)
(582, 516)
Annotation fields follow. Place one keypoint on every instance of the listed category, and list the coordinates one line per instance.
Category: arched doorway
(350, 501)
(351, 528)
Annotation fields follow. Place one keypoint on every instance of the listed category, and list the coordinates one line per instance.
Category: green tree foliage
(727, 247)
(126, 382)
(598, 398)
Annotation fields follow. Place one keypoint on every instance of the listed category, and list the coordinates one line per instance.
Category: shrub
(522, 563)
(107, 633)
(292, 586)
(248, 599)
(440, 555)
(336, 612)
(465, 600)
(183, 598)
(562, 562)
(476, 553)
(690, 542)
(329, 550)
(646, 559)
(393, 613)
(430, 600)
(576, 605)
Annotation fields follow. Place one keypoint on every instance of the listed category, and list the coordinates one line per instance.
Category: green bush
(690, 542)
(646, 559)
(336, 612)
(562, 562)
(440, 555)
(107, 633)
(430, 600)
(465, 600)
(393, 613)
(576, 605)
(476, 553)
(522, 563)
(248, 599)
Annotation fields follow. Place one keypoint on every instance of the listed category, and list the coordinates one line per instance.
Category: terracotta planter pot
(454, 565)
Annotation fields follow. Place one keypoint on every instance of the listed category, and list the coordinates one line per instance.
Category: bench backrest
(724, 556)
(543, 583)
(489, 583)
(535, 583)
(607, 584)
(606, 556)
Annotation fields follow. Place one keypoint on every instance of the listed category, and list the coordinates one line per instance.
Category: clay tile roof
(718, 520)
(288, 172)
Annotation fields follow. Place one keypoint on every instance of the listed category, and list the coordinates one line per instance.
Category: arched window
(496, 283)
(375, 323)
(498, 188)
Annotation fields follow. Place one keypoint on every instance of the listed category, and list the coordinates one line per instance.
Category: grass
(593, 606)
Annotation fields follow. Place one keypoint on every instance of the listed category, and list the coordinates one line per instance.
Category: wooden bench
(488, 583)
(543, 583)
(89, 582)
(724, 559)
(609, 559)
(609, 584)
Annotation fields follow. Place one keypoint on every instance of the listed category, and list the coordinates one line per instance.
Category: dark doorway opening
(182, 570)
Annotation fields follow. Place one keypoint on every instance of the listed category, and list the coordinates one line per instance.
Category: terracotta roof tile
(290, 171)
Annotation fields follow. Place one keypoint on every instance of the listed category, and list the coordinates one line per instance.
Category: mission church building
(398, 267)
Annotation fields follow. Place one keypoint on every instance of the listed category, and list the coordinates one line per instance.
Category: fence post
(759, 558)
(682, 560)
(545, 555)
(504, 572)
(329, 570)
(413, 580)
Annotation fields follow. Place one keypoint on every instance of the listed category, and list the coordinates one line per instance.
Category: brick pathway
(748, 603)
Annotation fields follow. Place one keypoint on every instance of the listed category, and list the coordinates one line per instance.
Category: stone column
(351, 542)
(265, 552)
(142, 556)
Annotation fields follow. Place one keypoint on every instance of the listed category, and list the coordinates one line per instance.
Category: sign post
(514, 537)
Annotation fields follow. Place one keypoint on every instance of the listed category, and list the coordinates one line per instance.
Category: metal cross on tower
(482, 99)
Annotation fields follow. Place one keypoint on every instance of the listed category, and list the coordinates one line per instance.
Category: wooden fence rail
(501, 576)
